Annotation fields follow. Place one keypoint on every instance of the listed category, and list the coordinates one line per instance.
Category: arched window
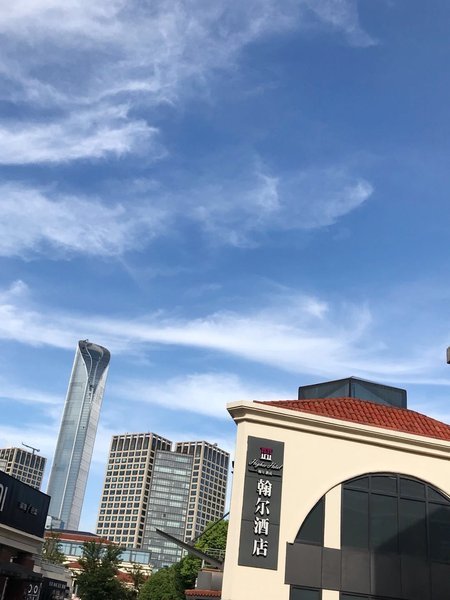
(389, 513)
(311, 531)
(394, 543)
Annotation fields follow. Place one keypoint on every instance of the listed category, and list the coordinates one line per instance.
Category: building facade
(208, 488)
(25, 466)
(70, 469)
(338, 499)
(168, 506)
(149, 486)
(126, 490)
(23, 511)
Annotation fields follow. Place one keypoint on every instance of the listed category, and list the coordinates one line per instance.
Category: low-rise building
(23, 512)
(338, 498)
(70, 543)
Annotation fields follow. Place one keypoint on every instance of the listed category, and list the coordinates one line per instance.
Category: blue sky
(235, 198)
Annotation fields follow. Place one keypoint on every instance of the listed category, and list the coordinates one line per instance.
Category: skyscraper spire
(70, 469)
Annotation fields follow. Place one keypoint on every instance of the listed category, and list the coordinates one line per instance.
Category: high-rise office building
(125, 497)
(21, 464)
(168, 506)
(77, 433)
(208, 485)
(148, 486)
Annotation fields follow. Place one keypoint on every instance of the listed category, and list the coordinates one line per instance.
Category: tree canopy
(51, 549)
(99, 566)
(170, 583)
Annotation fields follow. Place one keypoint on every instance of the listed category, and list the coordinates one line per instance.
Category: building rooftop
(203, 593)
(369, 413)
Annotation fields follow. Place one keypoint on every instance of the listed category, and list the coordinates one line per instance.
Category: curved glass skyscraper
(76, 438)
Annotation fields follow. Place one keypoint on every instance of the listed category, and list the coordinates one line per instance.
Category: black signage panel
(53, 589)
(260, 525)
(32, 591)
(21, 506)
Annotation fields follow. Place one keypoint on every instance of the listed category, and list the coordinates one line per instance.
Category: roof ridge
(366, 412)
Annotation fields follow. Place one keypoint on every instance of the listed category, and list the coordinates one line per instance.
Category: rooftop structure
(353, 387)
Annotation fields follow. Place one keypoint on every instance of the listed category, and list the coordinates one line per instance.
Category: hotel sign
(260, 525)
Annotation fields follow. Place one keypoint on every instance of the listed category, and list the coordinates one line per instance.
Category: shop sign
(32, 591)
(21, 506)
(54, 589)
(258, 544)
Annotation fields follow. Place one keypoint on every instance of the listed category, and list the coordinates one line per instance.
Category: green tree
(213, 539)
(170, 583)
(99, 566)
(138, 578)
(51, 549)
(165, 584)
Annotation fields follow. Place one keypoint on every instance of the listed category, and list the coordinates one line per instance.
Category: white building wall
(319, 454)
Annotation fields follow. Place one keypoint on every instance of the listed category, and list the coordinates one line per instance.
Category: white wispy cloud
(39, 221)
(293, 332)
(32, 221)
(342, 16)
(299, 200)
(24, 395)
(89, 134)
(203, 393)
(147, 53)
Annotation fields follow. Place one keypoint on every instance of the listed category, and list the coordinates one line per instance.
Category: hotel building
(338, 497)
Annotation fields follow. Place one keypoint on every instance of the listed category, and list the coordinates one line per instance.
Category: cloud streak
(201, 393)
(90, 134)
(142, 53)
(32, 222)
(294, 333)
(41, 221)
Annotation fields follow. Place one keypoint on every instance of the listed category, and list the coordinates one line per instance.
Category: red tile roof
(369, 413)
(204, 593)
(71, 536)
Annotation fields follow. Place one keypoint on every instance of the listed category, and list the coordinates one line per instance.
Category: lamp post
(448, 356)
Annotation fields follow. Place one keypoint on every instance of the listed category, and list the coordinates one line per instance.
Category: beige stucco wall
(319, 454)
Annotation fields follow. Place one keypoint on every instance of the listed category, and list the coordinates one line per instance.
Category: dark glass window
(360, 483)
(384, 483)
(311, 530)
(435, 496)
(412, 527)
(440, 532)
(359, 597)
(394, 514)
(411, 489)
(355, 519)
(383, 523)
(305, 594)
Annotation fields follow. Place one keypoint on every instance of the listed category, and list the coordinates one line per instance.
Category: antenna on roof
(34, 450)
